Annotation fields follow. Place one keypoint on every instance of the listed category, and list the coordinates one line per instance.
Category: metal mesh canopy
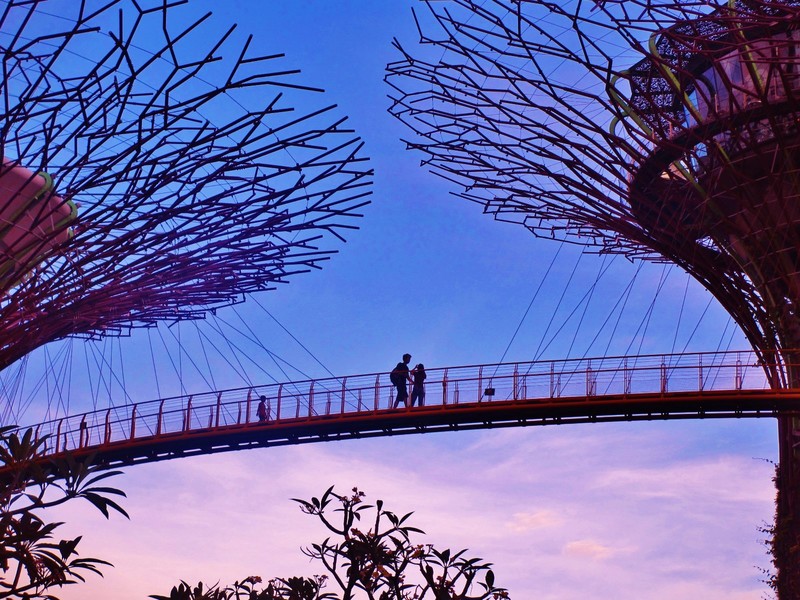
(661, 130)
(185, 176)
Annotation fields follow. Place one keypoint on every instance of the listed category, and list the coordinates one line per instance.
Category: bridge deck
(700, 385)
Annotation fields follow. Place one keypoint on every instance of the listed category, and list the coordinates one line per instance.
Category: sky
(628, 510)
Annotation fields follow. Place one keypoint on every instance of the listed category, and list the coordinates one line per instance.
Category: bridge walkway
(674, 386)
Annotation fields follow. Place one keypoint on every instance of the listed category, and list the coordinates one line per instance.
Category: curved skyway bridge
(628, 388)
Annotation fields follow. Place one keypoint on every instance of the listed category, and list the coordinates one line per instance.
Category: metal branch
(194, 181)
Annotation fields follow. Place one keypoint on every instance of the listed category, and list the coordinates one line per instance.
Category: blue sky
(656, 510)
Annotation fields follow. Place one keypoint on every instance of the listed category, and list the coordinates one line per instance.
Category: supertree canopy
(153, 169)
(667, 131)
(590, 122)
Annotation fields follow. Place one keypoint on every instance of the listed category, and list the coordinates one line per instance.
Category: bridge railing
(331, 398)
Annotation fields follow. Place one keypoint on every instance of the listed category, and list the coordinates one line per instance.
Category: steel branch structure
(667, 131)
(146, 177)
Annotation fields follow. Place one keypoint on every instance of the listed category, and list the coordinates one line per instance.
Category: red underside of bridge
(453, 417)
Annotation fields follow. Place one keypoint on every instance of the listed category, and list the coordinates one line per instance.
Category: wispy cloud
(588, 549)
(525, 521)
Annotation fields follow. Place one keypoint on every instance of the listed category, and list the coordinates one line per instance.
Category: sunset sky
(658, 510)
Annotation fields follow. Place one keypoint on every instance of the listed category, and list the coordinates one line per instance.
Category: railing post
(210, 417)
(480, 383)
(626, 377)
(378, 391)
(455, 393)
(738, 373)
(344, 393)
(360, 405)
(444, 387)
(553, 388)
(589, 380)
(83, 433)
(248, 408)
(108, 427)
(700, 373)
(133, 423)
(311, 399)
(58, 436)
(160, 417)
(328, 404)
(278, 410)
(664, 386)
(219, 407)
(187, 422)
(515, 382)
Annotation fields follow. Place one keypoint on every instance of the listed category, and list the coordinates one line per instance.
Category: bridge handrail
(355, 394)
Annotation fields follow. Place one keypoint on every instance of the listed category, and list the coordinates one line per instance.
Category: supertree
(666, 131)
(146, 177)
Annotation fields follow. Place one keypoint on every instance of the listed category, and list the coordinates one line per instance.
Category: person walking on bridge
(418, 389)
(399, 377)
(261, 411)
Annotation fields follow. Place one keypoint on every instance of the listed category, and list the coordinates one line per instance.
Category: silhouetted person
(399, 377)
(261, 411)
(418, 389)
